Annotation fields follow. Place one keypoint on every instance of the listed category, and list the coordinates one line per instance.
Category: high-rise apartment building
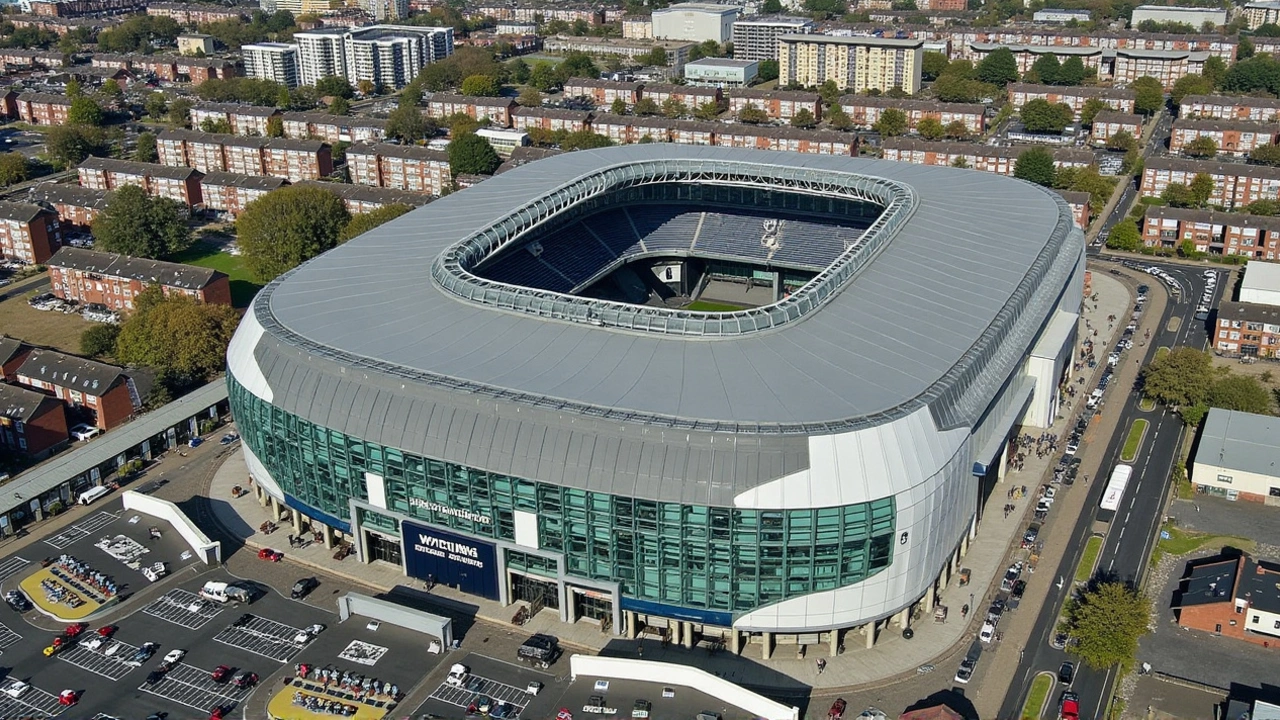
(277, 62)
(855, 64)
(387, 55)
(385, 10)
(756, 37)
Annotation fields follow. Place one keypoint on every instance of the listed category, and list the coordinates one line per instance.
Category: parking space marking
(7, 636)
(184, 608)
(12, 566)
(88, 526)
(114, 666)
(262, 636)
(196, 688)
(33, 703)
(477, 685)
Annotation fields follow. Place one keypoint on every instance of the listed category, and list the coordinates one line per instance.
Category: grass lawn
(702, 306)
(203, 254)
(1038, 697)
(1147, 404)
(1182, 542)
(1084, 570)
(1134, 440)
(42, 327)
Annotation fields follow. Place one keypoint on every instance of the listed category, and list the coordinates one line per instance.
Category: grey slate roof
(251, 182)
(21, 404)
(1260, 585)
(68, 371)
(10, 348)
(367, 194)
(68, 194)
(22, 212)
(131, 167)
(408, 152)
(122, 266)
(1210, 583)
(1241, 441)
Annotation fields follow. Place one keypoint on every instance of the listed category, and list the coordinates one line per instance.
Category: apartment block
(687, 95)
(277, 62)
(88, 276)
(76, 206)
(693, 132)
(961, 39)
(787, 139)
(99, 394)
(181, 184)
(243, 119)
(628, 129)
(1119, 99)
(333, 128)
(496, 110)
(16, 59)
(1080, 203)
(43, 108)
(855, 64)
(636, 27)
(1234, 137)
(29, 233)
(363, 198)
(387, 55)
(399, 167)
(1248, 329)
(230, 193)
(1027, 55)
(1167, 66)
(755, 37)
(239, 155)
(32, 425)
(544, 12)
(297, 159)
(865, 111)
(194, 13)
(543, 118)
(986, 158)
(292, 159)
(1234, 185)
(1108, 123)
(677, 50)
(1258, 14)
(1236, 107)
(82, 8)
(1196, 17)
(777, 104)
(1217, 233)
(604, 92)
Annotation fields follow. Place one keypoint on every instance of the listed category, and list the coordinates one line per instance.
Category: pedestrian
(291, 541)
(822, 665)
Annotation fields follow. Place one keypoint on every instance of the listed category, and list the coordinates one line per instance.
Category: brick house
(1235, 107)
(96, 393)
(333, 128)
(13, 353)
(362, 198)
(197, 70)
(1080, 209)
(1109, 122)
(628, 129)
(15, 59)
(242, 119)
(1248, 329)
(1236, 597)
(399, 167)
(1120, 99)
(28, 233)
(43, 108)
(688, 95)
(496, 110)
(542, 118)
(32, 424)
(1234, 185)
(788, 139)
(777, 104)
(81, 8)
(89, 276)
(1167, 66)
(1234, 137)
(76, 206)
(239, 155)
(604, 92)
(192, 13)
(297, 159)
(229, 193)
(865, 111)
(245, 155)
(986, 158)
(176, 183)
(1217, 233)
(693, 132)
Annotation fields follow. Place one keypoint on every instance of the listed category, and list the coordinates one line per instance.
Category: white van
(89, 496)
(225, 592)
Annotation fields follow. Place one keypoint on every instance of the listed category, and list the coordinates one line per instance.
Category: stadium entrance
(537, 592)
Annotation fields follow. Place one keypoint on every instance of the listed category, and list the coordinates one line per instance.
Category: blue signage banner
(431, 553)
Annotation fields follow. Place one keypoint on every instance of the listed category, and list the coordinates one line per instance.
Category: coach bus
(1115, 487)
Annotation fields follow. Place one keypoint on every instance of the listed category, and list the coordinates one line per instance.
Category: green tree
(470, 154)
(892, 122)
(1182, 377)
(673, 108)
(998, 68)
(138, 225)
(956, 130)
(111, 88)
(69, 145)
(1189, 85)
(1265, 155)
(99, 340)
(768, 70)
(1202, 147)
(1260, 73)
(1149, 95)
(519, 71)
(577, 64)
(1090, 110)
(708, 111)
(1125, 237)
(657, 56)
(1177, 195)
(1215, 69)
(960, 162)
(543, 76)
(933, 65)
(157, 106)
(74, 90)
(1035, 165)
(219, 125)
(84, 111)
(406, 124)
(1201, 187)
(1072, 72)
(176, 335)
(930, 128)
(286, 227)
(752, 115)
(1047, 68)
(1121, 141)
(583, 140)
(829, 92)
(145, 151)
(530, 97)
(619, 106)
(645, 107)
(275, 126)
(804, 119)
(14, 169)
(1263, 207)
(481, 86)
(335, 86)
(1245, 49)
(340, 106)
(771, 6)
(180, 111)
(1041, 116)
(1105, 624)
(838, 119)
(364, 222)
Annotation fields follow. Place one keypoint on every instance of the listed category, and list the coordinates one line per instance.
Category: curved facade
(802, 467)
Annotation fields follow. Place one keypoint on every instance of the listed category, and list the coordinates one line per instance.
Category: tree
(1202, 147)
(1263, 207)
(481, 86)
(583, 140)
(366, 87)
(838, 119)
(829, 92)
(772, 6)
(340, 106)
(1090, 110)
(1265, 155)
(1072, 72)
(656, 56)
(335, 86)
(1201, 187)
(156, 105)
(136, 224)
(530, 97)
(1105, 624)
(74, 90)
(470, 154)
(1041, 116)
(111, 88)
(998, 68)
(956, 130)
(930, 128)
(1245, 49)
(14, 168)
(180, 111)
(99, 340)
(1215, 69)
(768, 70)
(84, 111)
(286, 227)
(1181, 377)
(960, 162)
(1035, 165)
(1258, 73)
(69, 145)
(933, 65)
(275, 126)
(1047, 68)
(176, 335)
(645, 107)
(1121, 141)
(673, 108)
(219, 125)
(619, 106)
(145, 151)
(708, 111)
(1125, 237)
(752, 115)
(543, 76)
(364, 222)
(804, 119)
(1177, 195)
(1149, 95)
(892, 122)
(406, 124)
(1189, 85)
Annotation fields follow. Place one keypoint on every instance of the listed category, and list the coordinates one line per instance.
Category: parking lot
(12, 566)
(196, 688)
(477, 685)
(84, 528)
(32, 703)
(262, 636)
(185, 608)
(7, 636)
(114, 666)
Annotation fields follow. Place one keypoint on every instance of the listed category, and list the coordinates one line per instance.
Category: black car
(1019, 588)
(1029, 537)
(17, 600)
(540, 650)
(303, 588)
(1067, 673)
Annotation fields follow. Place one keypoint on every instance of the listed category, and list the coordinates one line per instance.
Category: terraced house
(1234, 185)
(89, 276)
(1233, 137)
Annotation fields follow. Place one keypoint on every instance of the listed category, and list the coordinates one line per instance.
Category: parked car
(1029, 537)
(457, 675)
(1019, 588)
(303, 588)
(965, 673)
(987, 633)
(1059, 641)
(1067, 673)
(220, 673)
(245, 679)
(540, 650)
(837, 709)
(1069, 707)
(307, 634)
(17, 601)
(84, 432)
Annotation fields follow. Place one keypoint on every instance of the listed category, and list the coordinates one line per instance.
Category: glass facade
(713, 558)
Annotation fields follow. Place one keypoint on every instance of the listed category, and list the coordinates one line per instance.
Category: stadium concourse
(507, 393)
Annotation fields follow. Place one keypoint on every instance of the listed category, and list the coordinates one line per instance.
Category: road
(1133, 527)
(1156, 145)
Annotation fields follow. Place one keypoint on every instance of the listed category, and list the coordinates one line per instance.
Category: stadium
(707, 391)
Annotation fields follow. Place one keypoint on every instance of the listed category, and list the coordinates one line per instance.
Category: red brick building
(81, 8)
(362, 198)
(76, 206)
(1233, 137)
(93, 392)
(229, 193)
(1213, 232)
(32, 424)
(1248, 329)
(628, 129)
(496, 110)
(181, 184)
(197, 70)
(88, 276)
(15, 59)
(1234, 184)
(986, 158)
(1120, 99)
(58, 25)
(789, 139)
(865, 112)
(242, 119)
(1236, 597)
(603, 92)
(1108, 123)
(688, 95)
(297, 160)
(333, 128)
(245, 155)
(43, 108)
(193, 14)
(777, 104)
(542, 118)
(399, 167)
(1234, 107)
(1080, 209)
(28, 233)
(13, 353)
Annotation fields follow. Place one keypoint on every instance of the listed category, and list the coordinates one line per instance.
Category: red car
(68, 698)
(75, 629)
(107, 631)
(837, 709)
(218, 713)
(245, 679)
(1069, 706)
(221, 673)
(269, 554)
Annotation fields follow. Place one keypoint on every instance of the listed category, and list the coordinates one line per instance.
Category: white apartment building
(855, 64)
(1262, 13)
(385, 10)
(1060, 16)
(277, 62)
(387, 55)
(756, 37)
(1193, 16)
(695, 21)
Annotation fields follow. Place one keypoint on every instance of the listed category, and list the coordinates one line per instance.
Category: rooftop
(1210, 583)
(148, 271)
(1231, 101)
(1211, 167)
(130, 167)
(22, 212)
(1195, 123)
(721, 62)
(911, 104)
(367, 194)
(1081, 91)
(1240, 441)
(699, 7)
(1213, 217)
(235, 109)
(1260, 275)
(853, 40)
(20, 404)
(249, 182)
(68, 371)
(11, 348)
(1260, 585)
(410, 152)
(69, 194)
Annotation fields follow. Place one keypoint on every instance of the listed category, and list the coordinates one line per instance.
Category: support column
(674, 627)
(274, 507)
(631, 624)
(328, 537)
(688, 635)
(766, 644)
(1002, 468)
(964, 546)
(297, 520)
(570, 611)
(931, 596)
(263, 498)
(834, 638)
(735, 641)
(870, 630)
(973, 527)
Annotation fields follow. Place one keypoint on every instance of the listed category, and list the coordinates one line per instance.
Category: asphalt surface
(1133, 526)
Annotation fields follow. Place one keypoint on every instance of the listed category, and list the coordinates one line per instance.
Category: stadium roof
(977, 266)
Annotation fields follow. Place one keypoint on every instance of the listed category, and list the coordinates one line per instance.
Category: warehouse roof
(1240, 441)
